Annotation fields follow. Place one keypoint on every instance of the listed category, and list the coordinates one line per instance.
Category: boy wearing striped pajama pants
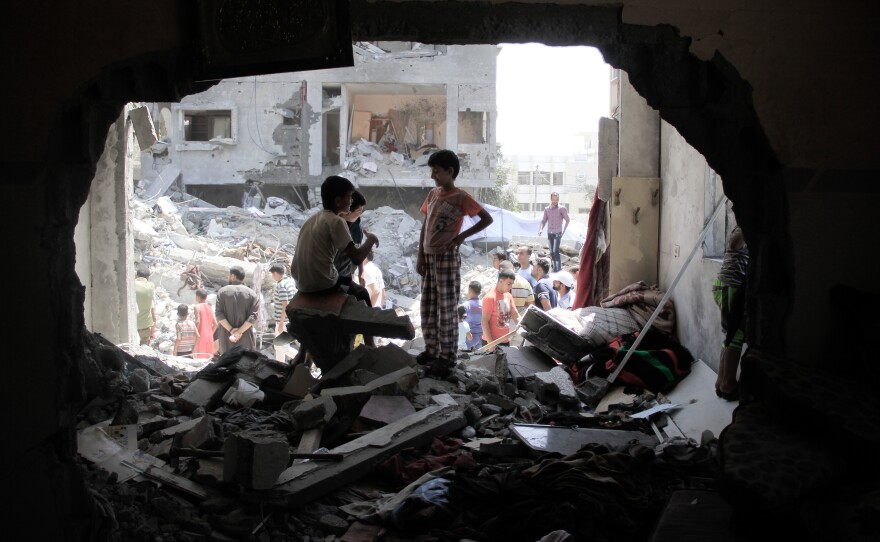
(439, 262)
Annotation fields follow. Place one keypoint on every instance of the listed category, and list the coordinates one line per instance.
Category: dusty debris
(240, 470)
(365, 442)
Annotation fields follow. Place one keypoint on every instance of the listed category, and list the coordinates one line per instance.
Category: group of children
(195, 337)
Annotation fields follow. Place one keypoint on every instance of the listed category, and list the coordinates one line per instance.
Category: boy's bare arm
(485, 222)
(357, 254)
(486, 328)
(420, 260)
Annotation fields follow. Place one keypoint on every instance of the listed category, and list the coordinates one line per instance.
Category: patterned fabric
(284, 290)
(544, 290)
(553, 218)
(499, 307)
(734, 267)
(640, 300)
(186, 336)
(658, 365)
(600, 325)
(522, 292)
(439, 307)
(444, 213)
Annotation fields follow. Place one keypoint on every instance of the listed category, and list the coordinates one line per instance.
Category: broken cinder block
(555, 386)
(255, 458)
(314, 412)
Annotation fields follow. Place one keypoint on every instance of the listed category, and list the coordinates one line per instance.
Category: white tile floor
(701, 408)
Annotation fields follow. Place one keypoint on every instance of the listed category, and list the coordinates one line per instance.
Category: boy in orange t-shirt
(439, 262)
(499, 309)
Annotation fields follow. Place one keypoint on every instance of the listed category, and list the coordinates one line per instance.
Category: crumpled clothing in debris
(640, 300)
(595, 494)
(250, 418)
(409, 464)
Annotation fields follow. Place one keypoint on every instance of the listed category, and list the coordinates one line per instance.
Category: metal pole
(665, 298)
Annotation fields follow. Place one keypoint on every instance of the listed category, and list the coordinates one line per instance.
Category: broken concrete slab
(200, 435)
(385, 409)
(614, 396)
(353, 398)
(162, 182)
(311, 413)
(568, 440)
(381, 361)
(175, 429)
(304, 482)
(300, 381)
(144, 130)
(325, 325)
(201, 393)
(525, 361)
(255, 458)
(555, 386)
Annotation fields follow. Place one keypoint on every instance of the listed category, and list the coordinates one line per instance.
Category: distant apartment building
(573, 176)
(374, 123)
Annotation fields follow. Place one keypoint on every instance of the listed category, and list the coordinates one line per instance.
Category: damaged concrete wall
(265, 139)
(110, 292)
(283, 142)
(683, 173)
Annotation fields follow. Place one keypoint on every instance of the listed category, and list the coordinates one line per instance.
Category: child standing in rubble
(344, 264)
(439, 262)
(186, 333)
(323, 237)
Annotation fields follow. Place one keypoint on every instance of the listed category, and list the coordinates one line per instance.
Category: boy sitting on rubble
(323, 237)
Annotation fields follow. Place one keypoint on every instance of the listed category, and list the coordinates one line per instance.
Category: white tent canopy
(507, 225)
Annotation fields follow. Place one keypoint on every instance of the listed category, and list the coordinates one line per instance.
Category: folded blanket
(640, 300)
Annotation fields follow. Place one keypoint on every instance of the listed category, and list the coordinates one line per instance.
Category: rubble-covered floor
(505, 448)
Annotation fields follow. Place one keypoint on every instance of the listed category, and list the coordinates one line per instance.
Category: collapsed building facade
(372, 122)
(758, 101)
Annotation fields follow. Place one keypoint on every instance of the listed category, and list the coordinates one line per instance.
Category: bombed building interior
(778, 100)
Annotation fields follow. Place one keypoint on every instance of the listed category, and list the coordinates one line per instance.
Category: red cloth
(408, 465)
(592, 276)
(205, 345)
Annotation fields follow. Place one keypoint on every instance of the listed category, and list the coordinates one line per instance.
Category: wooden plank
(304, 482)
(360, 126)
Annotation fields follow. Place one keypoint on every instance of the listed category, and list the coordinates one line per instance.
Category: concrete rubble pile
(247, 447)
(365, 448)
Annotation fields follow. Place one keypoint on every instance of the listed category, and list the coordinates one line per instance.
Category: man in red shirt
(499, 310)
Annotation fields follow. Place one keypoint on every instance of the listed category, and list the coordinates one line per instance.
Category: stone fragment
(255, 458)
(314, 412)
(385, 409)
(555, 386)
